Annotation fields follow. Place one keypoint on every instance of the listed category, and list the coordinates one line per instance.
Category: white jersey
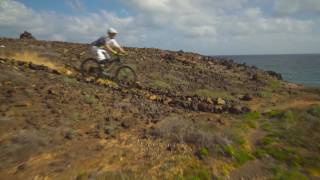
(104, 40)
(112, 43)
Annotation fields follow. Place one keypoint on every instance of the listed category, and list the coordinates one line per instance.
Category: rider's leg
(100, 53)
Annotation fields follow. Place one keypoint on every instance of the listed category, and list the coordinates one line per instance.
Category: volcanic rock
(236, 109)
(220, 101)
(275, 74)
(246, 97)
(26, 35)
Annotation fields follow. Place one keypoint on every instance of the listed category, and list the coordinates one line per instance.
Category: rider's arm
(121, 50)
(113, 43)
(109, 49)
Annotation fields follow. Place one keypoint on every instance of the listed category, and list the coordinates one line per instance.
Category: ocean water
(297, 68)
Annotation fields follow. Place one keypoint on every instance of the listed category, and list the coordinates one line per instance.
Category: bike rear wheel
(125, 77)
(91, 68)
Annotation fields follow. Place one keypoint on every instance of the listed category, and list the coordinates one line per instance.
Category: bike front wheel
(125, 77)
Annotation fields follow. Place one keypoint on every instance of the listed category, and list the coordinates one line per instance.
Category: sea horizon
(265, 54)
(297, 68)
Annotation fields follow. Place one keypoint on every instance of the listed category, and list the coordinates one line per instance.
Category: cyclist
(105, 45)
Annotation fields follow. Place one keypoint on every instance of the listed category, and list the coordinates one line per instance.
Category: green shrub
(274, 84)
(175, 80)
(82, 176)
(75, 116)
(265, 94)
(274, 113)
(196, 173)
(178, 130)
(251, 119)
(267, 140)
(281, 174)
(289, 116)
(315, 111)
(289, 119)
(260, 153)
(123, 174)
(68, 80)
(266, 126)
(203, 152)
(160, 84)
(90, 99)
(240, 155)
(238, 139)
(285, 154)
(252, 115)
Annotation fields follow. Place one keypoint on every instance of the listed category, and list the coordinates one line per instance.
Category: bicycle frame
(116, 59)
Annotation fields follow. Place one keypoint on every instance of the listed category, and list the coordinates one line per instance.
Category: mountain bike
(112, 69)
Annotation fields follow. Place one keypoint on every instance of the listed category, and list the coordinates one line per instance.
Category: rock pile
(26, 35)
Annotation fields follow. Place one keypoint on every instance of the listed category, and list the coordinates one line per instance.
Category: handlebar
(118, 57)
(120, 54)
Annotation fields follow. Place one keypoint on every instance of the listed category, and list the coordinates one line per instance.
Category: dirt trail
(298, 103)
(35, 58)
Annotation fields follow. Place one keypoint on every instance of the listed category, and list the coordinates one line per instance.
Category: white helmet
(112, 31)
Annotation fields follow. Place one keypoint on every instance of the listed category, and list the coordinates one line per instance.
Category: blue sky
(205, 26)
(71, 7)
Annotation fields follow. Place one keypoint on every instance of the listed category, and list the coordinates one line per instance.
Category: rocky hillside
(189, 117)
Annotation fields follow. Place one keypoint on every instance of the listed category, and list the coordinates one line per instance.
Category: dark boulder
(169, 57)
(275, 74)
(235, 109)
(26, 35)
(245, 109)
(246, 97)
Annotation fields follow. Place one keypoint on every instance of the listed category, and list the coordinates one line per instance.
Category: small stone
(99, 147)
(220, 101)
(82, 53)
(218, 109)
(153, 97)
(22, 167)
(246, 97)
(65, 50)
(125, 124)
(55, 72)
(52, 92)
(209, 100)
(37, 67)
(221, 122)
(70, 135)
(109, 130)
(236, 109)
(255, 77)
(245, 109)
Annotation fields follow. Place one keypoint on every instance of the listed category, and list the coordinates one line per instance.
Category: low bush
(158, 84)
(195, 172)
(281, 174)
(239, 154)
(251, 119)
(202, 153)
(89, 99)
(177, 130)
(315, 111)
